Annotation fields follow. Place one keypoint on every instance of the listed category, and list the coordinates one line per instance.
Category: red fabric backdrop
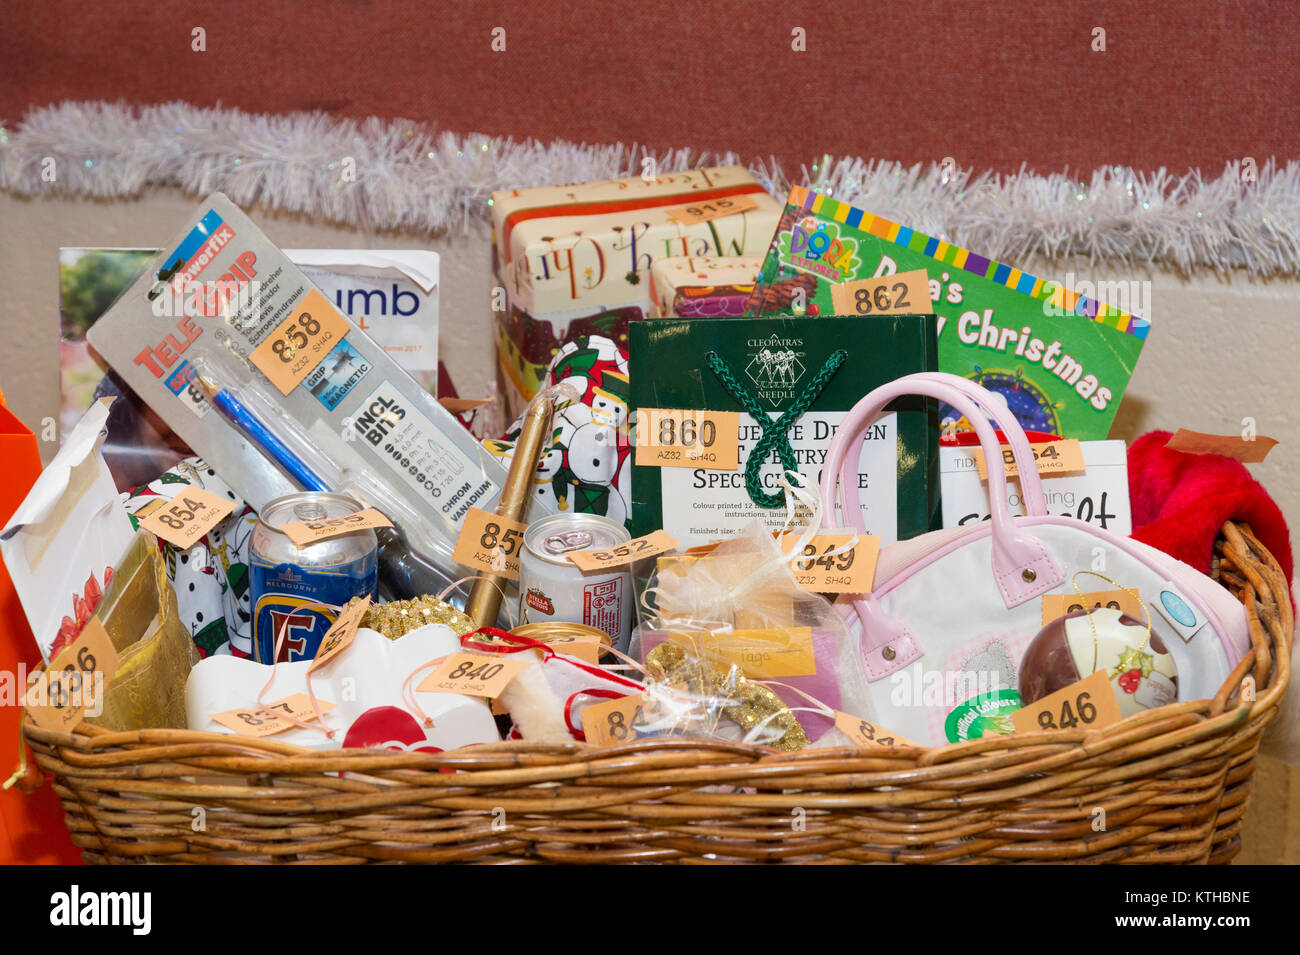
(992, 85)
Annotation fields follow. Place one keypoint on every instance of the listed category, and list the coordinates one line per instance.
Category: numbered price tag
(299, 343)
(476, 674)
(490, 544)
(907, 293)
(188, 516)
(826, 572)
(74, 682)
(270, 719)
(461, 405)
(673, 438)
(339, 637)
(1100, 496)
(303, 533)
(713, 209)
(1054, 459)
(585, 649)
(1089, 704)
(651, 545)
(868, 735)
(625, 720)
(1058, 605)
(1250, 450)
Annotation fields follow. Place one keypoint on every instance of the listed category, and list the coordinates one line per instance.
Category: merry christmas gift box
(576, 260)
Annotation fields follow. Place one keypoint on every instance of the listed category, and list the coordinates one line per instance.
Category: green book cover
(1062, 361)
(775, 359)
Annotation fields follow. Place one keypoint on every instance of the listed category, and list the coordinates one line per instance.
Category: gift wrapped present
(210, 577)
(575, 260)
(586, 460)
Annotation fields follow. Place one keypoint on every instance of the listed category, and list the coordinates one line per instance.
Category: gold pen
(485, 596)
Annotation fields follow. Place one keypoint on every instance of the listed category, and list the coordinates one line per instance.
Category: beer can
(553, 588)
(294, 588)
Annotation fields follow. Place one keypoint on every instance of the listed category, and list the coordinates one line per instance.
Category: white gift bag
(63, 542)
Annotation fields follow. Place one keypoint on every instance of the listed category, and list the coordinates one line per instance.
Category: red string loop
(604, 694)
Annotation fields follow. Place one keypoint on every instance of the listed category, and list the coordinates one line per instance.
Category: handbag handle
(1021, 564)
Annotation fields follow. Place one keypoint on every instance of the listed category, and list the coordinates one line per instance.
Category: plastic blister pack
(224, 300)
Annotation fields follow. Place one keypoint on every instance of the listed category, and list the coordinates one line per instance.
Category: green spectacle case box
(774, 359)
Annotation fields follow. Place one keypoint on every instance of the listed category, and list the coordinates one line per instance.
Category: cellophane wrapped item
(691, 695)
(546, 699)
(681, 694)
(739, 605)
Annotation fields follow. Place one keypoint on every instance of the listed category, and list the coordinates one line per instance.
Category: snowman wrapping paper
(586, 461)
(211, 577)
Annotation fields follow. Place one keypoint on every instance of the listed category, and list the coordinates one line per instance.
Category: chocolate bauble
(1142, 674)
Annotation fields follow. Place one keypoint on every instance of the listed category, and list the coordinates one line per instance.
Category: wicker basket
(1174, 783)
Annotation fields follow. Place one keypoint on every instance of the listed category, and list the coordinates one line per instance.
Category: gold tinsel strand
(400, 617)
(744, 703)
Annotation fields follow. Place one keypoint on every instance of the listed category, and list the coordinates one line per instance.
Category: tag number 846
(1086, 713)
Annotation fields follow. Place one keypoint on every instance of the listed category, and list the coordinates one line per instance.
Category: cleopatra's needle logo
(775, 366)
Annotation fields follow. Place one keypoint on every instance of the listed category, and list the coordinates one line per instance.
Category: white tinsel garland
(402, 175)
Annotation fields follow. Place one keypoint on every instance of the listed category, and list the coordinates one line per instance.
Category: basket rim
(1237, 547)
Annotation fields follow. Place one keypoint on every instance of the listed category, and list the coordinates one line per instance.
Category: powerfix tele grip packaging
(225, 302)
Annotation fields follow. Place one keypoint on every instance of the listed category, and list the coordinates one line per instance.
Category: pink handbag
(943, 633)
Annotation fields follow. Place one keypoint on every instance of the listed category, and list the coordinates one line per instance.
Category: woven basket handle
(1021, 564)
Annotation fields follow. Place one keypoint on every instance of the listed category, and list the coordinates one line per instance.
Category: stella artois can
(553, 588)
